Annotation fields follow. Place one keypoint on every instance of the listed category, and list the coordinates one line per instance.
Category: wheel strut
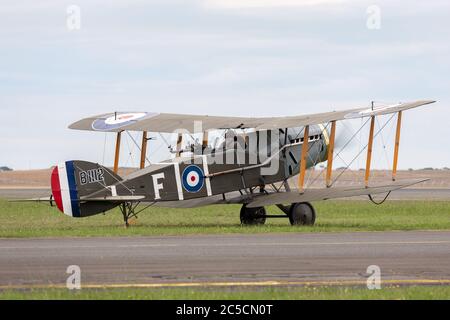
(285, 209)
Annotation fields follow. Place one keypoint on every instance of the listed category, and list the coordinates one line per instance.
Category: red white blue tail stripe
(64, 189)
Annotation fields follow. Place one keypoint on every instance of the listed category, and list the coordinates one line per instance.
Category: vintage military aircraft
(251, 168)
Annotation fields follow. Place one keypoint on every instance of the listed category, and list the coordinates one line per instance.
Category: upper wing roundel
(116, 121)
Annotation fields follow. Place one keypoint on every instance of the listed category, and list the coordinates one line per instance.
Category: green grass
(292, 293)
(40, 220)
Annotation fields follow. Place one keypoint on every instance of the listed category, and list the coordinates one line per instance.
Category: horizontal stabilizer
(44, 199)
(330, 193)
(113, 198)
(86, 199)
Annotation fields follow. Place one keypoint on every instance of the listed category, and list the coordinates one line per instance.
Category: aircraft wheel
(302, 214)
(253, 216)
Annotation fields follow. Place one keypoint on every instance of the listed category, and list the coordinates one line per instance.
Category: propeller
(343, 136)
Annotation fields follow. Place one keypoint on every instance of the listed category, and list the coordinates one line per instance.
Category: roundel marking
(193, 178)
(115, 121)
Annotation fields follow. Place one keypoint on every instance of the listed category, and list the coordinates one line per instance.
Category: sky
(217, 57)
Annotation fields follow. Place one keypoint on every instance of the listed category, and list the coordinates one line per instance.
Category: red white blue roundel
(118, 120)
(193, 179)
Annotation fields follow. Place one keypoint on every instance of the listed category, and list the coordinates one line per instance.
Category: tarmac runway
(410, 257)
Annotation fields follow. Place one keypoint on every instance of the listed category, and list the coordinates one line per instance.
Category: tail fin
(72, 180)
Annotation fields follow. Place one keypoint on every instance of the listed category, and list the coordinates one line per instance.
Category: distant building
(3, 169)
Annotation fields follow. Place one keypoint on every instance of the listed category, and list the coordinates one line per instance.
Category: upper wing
(329, 193)
(167, 122)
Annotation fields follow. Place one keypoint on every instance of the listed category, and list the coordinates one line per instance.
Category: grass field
(291, 293)
(40, 220)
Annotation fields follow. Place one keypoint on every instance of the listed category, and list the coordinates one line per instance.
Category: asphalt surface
(228, 259)
(402, 194)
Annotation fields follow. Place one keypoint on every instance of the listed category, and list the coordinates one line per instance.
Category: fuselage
(242, 162)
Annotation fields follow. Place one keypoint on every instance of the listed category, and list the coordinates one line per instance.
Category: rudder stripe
(73, 189)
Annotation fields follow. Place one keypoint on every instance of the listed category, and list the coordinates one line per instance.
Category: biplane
(251, 167)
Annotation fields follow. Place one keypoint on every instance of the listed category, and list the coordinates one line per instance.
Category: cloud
(290, 57)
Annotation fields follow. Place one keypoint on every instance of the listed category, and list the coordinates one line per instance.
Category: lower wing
(329, 193)
(261, 199)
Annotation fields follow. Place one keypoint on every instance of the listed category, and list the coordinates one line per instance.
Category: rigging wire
(309, 156)
(383, 145)
(130, 154)
(316, 161)
(137, 145)
(112, 176)
(351, 139)
(359, 153)
(360, 142)
(104, 150)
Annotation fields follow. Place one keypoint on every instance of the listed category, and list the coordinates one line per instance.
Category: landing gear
(302, 213)
(253, 216)
(128, 211)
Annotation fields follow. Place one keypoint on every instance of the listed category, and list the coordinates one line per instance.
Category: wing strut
(179, 142)
(397, 144)
(116, 157)
(330, 153)
(143, 149)
(205, 139)
(369, 151)
(301, 177)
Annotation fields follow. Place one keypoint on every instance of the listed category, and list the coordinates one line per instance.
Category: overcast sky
(219, 57)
